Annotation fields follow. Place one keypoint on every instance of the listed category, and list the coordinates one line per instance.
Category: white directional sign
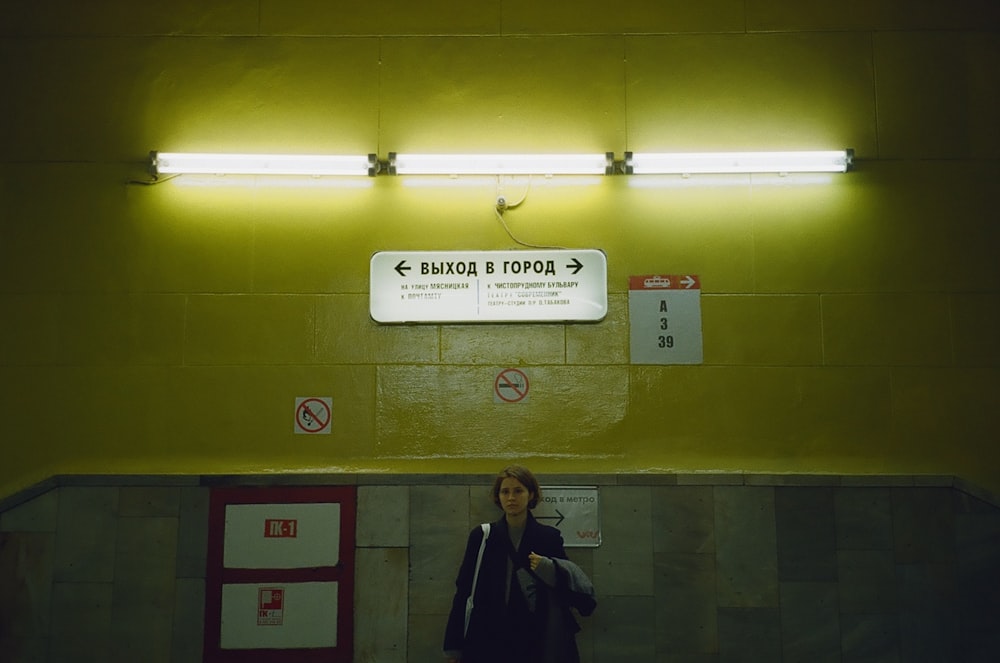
(574, 511)
(489, 286)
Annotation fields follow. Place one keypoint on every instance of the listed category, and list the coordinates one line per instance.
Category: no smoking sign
(510, 386)
(313, 415)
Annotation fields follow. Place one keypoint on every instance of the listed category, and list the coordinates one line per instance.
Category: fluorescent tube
(500, 164)
(691, 163)
(260, 164)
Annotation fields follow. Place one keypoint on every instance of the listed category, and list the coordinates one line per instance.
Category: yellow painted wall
(850, 322)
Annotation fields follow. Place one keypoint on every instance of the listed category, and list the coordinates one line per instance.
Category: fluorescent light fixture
(501, 164)
(162, 163)
(691, 163)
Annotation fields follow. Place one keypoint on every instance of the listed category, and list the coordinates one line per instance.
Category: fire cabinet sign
(282, 536)
(559, 285)
(270, 602)
(291, 616)
(279, 575)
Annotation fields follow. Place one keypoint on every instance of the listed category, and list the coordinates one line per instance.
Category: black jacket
(488, 640)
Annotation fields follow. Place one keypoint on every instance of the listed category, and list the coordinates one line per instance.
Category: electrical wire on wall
(153, 181)
(503, 204)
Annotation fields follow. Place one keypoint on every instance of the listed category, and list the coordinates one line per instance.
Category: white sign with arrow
(559, 285)
(574, 511)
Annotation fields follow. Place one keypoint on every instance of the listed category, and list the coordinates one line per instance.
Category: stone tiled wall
(104, 573)
(691, 568)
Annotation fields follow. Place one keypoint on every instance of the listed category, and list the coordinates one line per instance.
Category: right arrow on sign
(558, 518)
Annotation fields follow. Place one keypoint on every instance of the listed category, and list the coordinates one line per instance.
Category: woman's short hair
(522, 474)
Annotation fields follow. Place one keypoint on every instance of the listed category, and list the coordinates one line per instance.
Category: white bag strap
(479, 557)
(475, 576)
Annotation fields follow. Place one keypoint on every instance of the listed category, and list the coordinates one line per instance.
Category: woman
(524, 588)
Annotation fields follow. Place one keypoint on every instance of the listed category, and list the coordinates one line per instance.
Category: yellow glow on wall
(168, 328)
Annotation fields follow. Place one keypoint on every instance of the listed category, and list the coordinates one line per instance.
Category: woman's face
(514, 497)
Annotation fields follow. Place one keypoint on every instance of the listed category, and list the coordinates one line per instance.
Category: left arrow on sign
(402, 268)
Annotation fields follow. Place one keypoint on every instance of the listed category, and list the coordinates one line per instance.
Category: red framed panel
(216, 575)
